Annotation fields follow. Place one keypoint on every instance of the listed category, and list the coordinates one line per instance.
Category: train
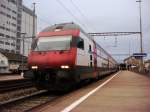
(63, 55)
(11, 63)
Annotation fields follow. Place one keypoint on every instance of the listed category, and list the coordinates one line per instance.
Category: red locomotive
(63, 55)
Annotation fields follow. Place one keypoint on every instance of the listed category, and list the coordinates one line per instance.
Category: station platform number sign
(139, 54)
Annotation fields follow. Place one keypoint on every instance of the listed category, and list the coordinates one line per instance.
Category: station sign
(139, 54)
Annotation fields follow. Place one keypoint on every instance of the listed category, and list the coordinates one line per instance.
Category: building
(10, 25)
(11, 62)
(132, 61)
(147, 65)
(14, 20)
(27, 28)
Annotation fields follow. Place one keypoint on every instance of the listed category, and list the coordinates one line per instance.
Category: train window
(90, 57)
(91, 64)
(53, 43)
(80, 43)
(90, 48)
(2, 62)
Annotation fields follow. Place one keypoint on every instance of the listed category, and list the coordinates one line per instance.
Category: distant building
(147, 65)
(132, 61)
(27, 27)
(14, 20)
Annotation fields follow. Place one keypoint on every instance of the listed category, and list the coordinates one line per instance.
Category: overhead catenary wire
(69, 12)
(41, 18)
(40, 26)
(82, 14)
(44, 21)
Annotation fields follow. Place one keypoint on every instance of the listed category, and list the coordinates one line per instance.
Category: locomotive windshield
(52, 43)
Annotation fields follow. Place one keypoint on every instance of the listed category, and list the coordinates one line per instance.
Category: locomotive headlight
(34, 67)
(64, 66)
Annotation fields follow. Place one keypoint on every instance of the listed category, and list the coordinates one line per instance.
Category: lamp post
(22, 61)
(141, 35)
(33, 33)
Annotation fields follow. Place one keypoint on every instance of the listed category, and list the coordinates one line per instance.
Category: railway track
(10, 85)
(33, 101)
(27, 103)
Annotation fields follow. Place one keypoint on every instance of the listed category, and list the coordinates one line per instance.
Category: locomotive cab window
(53, 43)
(80, 43)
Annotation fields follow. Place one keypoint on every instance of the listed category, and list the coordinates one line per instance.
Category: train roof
(66, 26)
(63, 26)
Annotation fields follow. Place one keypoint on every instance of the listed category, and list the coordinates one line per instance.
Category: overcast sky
(100, 16)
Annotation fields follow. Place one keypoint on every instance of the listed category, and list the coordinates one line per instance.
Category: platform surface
(126, 92)
(10, 77)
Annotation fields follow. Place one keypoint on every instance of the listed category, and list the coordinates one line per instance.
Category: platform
(126, 92)
(123, 92)
(10, 77)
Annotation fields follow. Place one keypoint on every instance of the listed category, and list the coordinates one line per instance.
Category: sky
(100, 16)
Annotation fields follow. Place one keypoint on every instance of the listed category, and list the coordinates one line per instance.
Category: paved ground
(126, 92)
(10, 77)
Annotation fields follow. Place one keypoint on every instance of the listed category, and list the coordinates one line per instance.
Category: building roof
(128, 58)
(148, 61)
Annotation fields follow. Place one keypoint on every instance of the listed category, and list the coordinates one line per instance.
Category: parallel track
(10, 85)
(29, 102)
(25, 103)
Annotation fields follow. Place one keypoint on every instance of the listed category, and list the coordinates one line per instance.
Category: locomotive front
(49, 52)
(52, 59)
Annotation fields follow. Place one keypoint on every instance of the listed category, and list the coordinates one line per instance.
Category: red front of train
(54, 50)
(52, 59)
